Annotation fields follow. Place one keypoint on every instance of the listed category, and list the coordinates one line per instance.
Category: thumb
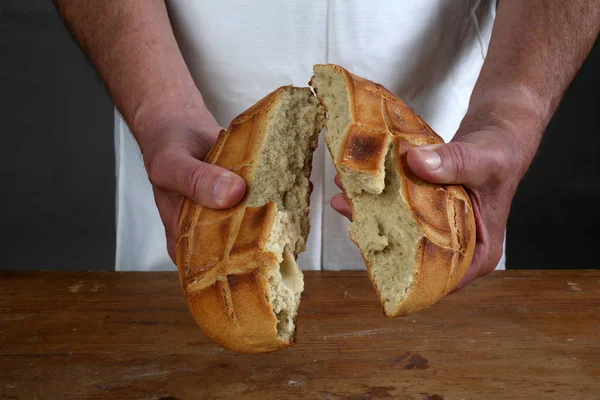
(451, 163)
(207, 184)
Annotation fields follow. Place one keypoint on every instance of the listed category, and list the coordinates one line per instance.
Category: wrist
(509, 107)
(169, 109)
(517, 117)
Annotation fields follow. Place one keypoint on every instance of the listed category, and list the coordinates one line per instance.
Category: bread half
(238, 266)
(417, 238)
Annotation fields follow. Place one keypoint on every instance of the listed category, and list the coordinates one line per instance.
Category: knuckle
(195, 181)
(203, 145)
(500, 164)
(495, 254)
(497, 167)
(155, 168)
(494, 257)
(462, 159)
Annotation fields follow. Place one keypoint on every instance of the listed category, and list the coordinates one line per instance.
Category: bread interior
(282, 177)
(383, 225)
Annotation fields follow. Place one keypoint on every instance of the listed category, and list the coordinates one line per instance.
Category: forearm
(132, 46)
(537, 47)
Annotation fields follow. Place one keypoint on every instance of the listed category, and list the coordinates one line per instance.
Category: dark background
(555, 215)
(57, 155)
(57, 159)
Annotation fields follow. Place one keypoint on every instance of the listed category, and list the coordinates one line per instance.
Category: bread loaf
(237, 266)
(417, 238)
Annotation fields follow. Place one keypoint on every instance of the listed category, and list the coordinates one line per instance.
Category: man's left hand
(488, 163)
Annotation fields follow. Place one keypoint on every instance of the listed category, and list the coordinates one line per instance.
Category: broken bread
(238, 266)
(417, 238)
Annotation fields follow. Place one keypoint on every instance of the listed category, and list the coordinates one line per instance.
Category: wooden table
(521, 335)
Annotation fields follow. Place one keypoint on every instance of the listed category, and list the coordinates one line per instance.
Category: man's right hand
(173, 158)
(132, 46)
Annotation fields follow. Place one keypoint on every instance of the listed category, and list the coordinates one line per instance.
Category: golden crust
(236, 314)
(444, 212)
(364, 150)
(222, 255)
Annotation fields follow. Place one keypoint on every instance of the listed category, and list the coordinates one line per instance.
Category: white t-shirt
(429, 52)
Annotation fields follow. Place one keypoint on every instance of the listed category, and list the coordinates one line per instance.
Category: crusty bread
(417, 239)
(237, 266)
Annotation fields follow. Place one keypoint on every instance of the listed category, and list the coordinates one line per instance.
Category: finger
(338, 182)
(471, 274)
(485, 260)
(206, 184)
(341, 205)
(474, 270)
(169, 207)
(453, 163)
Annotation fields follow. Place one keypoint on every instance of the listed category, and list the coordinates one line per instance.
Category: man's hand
(132, 46)
(488, 164)
(173, 161)
(537, 47)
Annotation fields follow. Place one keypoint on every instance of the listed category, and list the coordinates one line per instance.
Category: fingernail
(432, 158)
(223, 187)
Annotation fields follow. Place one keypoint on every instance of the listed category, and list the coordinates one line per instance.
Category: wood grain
(511, 335)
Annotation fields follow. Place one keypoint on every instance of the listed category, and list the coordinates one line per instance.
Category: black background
(57, 154)
(555, 215)
(57, 159)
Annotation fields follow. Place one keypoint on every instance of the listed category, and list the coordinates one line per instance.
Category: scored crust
(380, 122)
(224, 257)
